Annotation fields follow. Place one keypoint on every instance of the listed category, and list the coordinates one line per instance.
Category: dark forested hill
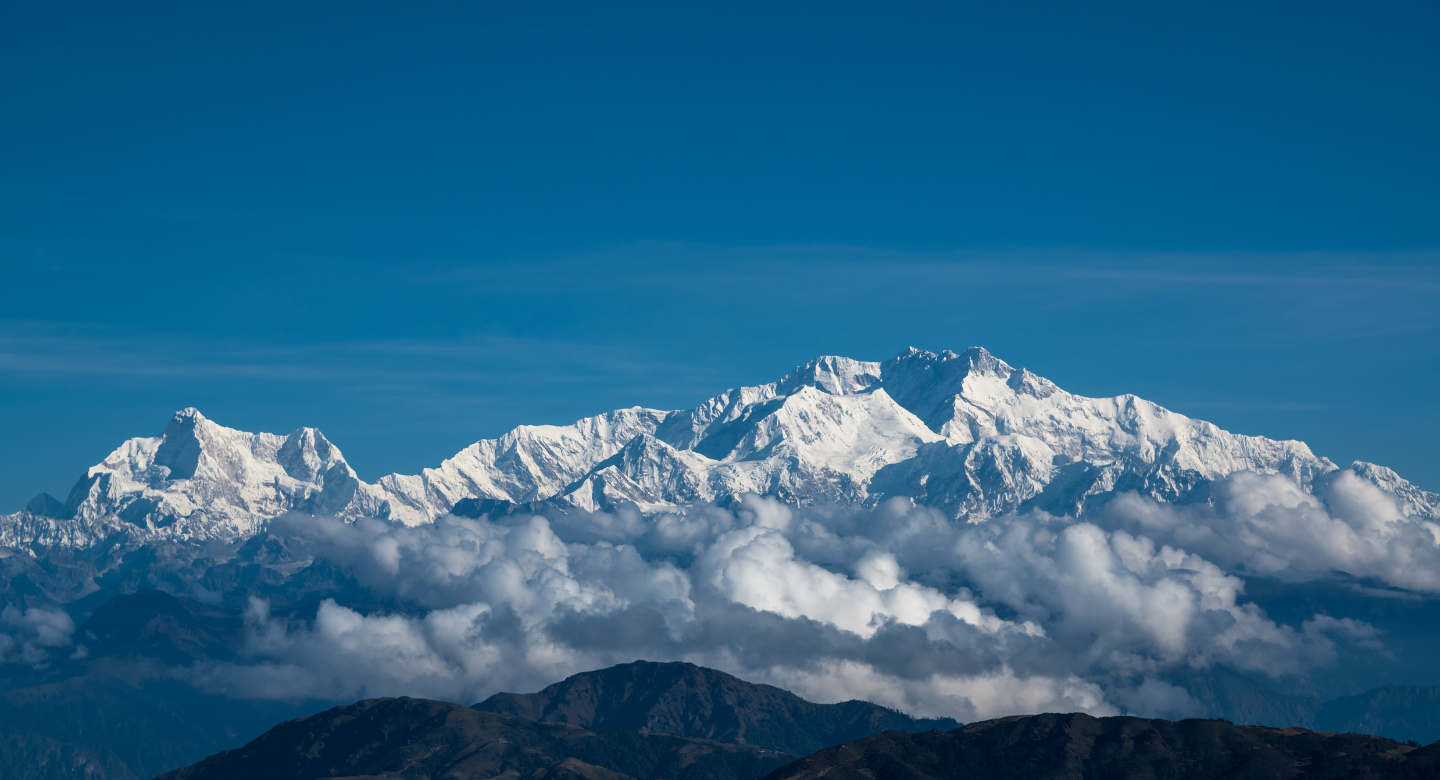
(692, 701)
(1119, 748)
(417, 739)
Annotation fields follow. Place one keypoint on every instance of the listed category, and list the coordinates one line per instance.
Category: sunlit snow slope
(964, 433)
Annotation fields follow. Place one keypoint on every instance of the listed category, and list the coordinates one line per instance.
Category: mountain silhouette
(1117, 748)
(692, 701)
(417, 739)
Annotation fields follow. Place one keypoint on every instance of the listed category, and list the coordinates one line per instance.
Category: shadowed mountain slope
(1077, 746)
(118, 713)
(1395, 711)
(1399, 712)
(418, 739)
(692, 701)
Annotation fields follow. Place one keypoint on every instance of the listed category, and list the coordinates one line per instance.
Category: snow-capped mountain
(197, 480)
(964, 433)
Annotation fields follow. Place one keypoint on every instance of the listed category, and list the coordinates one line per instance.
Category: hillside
(1117, 748)
(418, 739)
(692, 701)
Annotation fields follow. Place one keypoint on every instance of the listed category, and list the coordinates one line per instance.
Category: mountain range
(429, 740)
(426, 740)
(964, 433)
(417, 739)
(940, 533)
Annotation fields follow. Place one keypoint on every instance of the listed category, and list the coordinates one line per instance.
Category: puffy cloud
(1268, 525)
(894, 604)
(966, 698)
(757, 566)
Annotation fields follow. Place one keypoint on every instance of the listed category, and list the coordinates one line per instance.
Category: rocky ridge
(964, 433)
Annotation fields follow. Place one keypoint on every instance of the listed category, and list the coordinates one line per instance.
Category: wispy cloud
(654, 312)
(463, 365)
(1275, 296)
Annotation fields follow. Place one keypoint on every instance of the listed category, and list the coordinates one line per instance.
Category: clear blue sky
(415, 225)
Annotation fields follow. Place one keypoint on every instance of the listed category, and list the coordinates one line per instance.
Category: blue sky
(415, 227)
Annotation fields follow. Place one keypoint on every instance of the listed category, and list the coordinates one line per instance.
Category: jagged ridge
(965, 433)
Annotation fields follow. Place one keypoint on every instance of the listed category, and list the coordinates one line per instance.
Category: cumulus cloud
(1268, 525)
(893, 604)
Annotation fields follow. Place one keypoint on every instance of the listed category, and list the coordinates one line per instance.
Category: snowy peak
(832, 375)
(183, 443)
(647, 473)
(1025, 383)
(200, 479)
(1411, 500)
(714, 428)
(928, 384)
(841, 432)
(963, 432)
(809, 446)
(307, 456)
(530, 463)
(193, 447)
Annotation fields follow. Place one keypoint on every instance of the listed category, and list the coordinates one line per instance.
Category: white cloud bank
(895, 605)
(1267, 525)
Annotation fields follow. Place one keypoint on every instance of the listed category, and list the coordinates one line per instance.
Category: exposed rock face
(692, 701)
(964, 433)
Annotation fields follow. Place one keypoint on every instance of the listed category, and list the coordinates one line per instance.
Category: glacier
(963, 433)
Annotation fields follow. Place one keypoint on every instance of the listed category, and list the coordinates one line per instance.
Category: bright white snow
(963, 433)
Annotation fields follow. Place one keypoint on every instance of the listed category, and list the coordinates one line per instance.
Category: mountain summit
(964, 433)
(691, 701)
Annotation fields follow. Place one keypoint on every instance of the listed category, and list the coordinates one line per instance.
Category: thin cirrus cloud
(40, 348)
(1215, 298)
(604, 307)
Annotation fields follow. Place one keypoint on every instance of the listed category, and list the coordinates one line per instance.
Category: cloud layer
(893, 604)
(1267, 525)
